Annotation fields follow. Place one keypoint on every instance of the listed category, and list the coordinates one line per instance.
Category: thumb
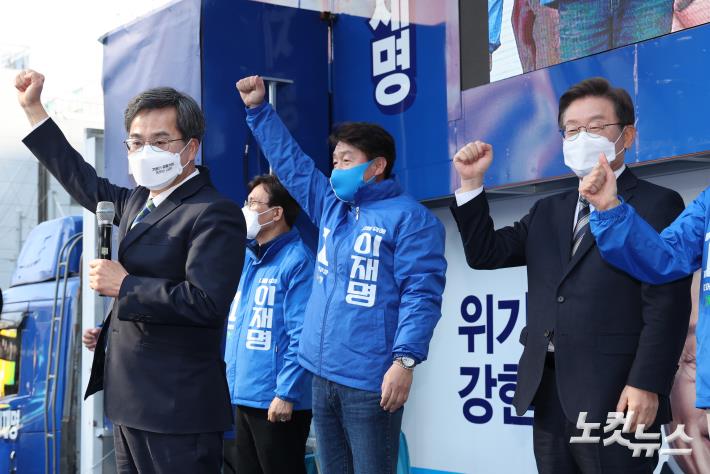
(623, 402)
(605, 164)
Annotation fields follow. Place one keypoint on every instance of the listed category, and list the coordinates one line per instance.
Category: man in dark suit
(159, 353)
(596, 340)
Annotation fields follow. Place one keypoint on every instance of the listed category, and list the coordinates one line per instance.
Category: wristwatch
(405, 361)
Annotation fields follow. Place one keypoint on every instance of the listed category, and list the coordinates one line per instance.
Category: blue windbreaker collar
(271, 247)
(385, 189)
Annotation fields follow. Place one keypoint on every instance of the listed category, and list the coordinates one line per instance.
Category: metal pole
(272, 83)
(92, 409)
(42, 193)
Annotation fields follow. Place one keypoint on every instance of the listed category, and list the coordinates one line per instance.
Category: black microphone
(104, 216)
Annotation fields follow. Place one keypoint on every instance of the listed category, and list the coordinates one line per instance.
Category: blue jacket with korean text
(264, 325)
(628, 242)
(379, 273)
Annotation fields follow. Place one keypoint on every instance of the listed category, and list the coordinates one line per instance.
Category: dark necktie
(149, 206)
(582, 224)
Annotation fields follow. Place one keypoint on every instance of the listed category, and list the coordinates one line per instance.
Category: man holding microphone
(181, 250)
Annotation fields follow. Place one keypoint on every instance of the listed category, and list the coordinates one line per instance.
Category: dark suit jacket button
(560, 299)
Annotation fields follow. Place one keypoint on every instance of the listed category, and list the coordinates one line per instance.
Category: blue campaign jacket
(628, 242)
(380, 267)
(265, 322)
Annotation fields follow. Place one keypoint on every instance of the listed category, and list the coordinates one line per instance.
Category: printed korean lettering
(393, 66)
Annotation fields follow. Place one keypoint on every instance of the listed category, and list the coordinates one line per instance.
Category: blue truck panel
(39, 329)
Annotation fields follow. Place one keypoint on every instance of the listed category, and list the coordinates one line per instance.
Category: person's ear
(278, 213)
(378, 167)
(190, 152)
(629, 136)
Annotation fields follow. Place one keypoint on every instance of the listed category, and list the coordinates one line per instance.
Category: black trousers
(144, 452)
(270, 448)
(555, 454)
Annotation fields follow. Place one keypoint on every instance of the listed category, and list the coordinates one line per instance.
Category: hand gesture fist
(29, 85)
(471, 163)
(252, 90)
(599, 186)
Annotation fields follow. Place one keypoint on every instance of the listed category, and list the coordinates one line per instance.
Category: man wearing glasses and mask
(596, 340)
(271, 391)
(158, 356)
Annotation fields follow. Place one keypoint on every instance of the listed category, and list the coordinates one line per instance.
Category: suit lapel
(173, 201)
(135, 204)
(565, 216)
(625, 184)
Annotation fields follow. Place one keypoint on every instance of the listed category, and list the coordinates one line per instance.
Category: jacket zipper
(330, 297)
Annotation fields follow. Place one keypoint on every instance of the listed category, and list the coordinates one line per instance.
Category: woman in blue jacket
(628, 242)
(271, 391)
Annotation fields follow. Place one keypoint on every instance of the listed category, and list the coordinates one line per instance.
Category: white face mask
(154, 169)
(252, 219)
(582, 153)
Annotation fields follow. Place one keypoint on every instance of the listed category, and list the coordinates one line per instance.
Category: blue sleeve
(296, 170)
(420, 272)
(628, 242)
(495, 23)
(289, 381)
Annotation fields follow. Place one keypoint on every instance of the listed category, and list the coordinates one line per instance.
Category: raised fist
(29, 85)
(252, 90)
(471, 163)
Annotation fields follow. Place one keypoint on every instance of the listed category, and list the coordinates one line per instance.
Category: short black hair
(370, 138)
(600, 87)
(190, 119)
(278, 196)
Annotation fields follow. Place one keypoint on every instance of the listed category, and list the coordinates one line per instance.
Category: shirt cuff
(37, 125)
(462, 197)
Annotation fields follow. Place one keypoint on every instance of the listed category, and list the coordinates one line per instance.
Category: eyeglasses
(161, 144)
(251, 203)
(594, 129)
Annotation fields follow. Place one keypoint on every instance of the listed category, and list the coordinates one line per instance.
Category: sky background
(62, 37)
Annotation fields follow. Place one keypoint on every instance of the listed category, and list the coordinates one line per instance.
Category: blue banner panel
(243, 38)
(673, 97)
